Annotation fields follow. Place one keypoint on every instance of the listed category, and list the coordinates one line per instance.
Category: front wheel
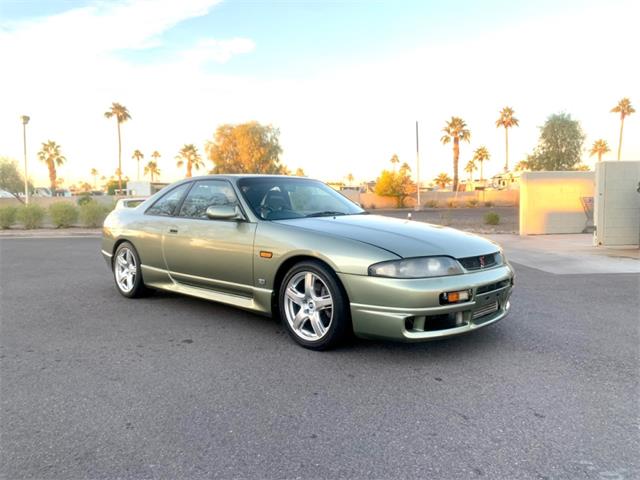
(313, 307)
(127, 271)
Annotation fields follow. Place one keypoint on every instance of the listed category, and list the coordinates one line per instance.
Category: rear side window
(207, 193)
(166, 205)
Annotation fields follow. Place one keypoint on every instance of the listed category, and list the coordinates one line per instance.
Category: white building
(144, 188)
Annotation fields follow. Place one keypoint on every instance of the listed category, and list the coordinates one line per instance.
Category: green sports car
(295, 248)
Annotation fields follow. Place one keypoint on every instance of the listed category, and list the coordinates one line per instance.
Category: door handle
(173, 230)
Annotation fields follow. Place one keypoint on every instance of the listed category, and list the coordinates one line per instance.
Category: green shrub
(31, 216)
(488, 204)
(7, 216)
(84, 199)
(472, 203)
(491, 218)
(92, 214)
(63, 214)
(431, 204)
(452, 204)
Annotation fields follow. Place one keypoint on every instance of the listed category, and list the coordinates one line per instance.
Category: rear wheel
(127, 271)
(313, 307)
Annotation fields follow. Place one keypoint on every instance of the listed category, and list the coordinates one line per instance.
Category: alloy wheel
(125, 270)
(308, 306)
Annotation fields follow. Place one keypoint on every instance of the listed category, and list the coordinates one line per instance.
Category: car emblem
(481, 260)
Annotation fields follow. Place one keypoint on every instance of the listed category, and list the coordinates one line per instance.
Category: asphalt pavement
(93, 385)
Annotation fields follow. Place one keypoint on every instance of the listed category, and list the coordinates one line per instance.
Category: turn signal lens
(455, 297)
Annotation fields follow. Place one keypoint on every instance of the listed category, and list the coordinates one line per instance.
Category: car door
(214, 254)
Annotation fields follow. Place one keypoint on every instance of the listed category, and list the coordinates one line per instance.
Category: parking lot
(93, 385)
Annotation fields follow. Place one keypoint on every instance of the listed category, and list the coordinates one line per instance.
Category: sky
(344, 81)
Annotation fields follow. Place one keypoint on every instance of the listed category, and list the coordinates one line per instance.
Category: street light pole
(419, 206)
(25, 120)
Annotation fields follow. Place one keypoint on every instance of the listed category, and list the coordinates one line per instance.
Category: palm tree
(350, 178)
(190, 157)
(442, 180)
(137, 156)
(394, 161)
(152, 169)
(480, 155)
(456, 130)
(156, 155)
(470, 168)
(599, 147)
(122, 115)
(51, 156)
(625, 109)
(506, 120)
(94, 174)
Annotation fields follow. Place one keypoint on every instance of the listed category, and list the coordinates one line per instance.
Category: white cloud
(219, 51)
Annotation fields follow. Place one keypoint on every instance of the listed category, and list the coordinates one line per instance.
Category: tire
(313, 306)
(127, 271)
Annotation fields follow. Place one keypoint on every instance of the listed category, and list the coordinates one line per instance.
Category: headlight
(417, 268)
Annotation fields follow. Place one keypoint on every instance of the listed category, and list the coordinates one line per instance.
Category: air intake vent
(480, 262)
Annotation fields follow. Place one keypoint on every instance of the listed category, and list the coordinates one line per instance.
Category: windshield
(282, 198)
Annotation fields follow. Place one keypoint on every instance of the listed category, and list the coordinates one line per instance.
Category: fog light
(455, 297)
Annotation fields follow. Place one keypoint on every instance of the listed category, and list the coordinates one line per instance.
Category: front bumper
(410, 310)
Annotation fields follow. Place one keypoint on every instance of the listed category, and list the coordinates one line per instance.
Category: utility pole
(25, 120)
(419, 206)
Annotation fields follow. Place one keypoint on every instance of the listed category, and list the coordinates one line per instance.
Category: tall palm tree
(152, 169)
(137, 156)
(625, 109)
(442, 180)
(190, 157)
(480, 155)
(350, 178)
(455, 130)
(506, 120)
(155, 155)
(122, 115)
(394, 161)
(470, 168)
(599, 147)
(52, 157)
(94, 174)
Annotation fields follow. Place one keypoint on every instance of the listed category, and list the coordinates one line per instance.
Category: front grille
(492, 287)
(487, 309)
(480, 262)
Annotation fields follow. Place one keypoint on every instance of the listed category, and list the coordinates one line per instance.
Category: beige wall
(550, 201)
(497, 197)
(617, 203)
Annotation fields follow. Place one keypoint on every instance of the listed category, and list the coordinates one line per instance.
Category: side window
(207, 193)
(167, 204)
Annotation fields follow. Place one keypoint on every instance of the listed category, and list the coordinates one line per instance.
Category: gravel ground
(93, 385)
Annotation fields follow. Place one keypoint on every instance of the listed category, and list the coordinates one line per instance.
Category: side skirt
(259, 301)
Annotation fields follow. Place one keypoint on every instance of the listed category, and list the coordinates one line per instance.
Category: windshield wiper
(326, 213)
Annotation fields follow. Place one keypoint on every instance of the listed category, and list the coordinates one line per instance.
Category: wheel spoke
(317, 325)
(295, 296)
(309, 279)
(121, 261)
(323, 302)
(299, 319)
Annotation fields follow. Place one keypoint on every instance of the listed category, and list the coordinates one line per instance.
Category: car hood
(404, 238)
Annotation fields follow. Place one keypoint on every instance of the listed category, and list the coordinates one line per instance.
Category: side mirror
(224, 212)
